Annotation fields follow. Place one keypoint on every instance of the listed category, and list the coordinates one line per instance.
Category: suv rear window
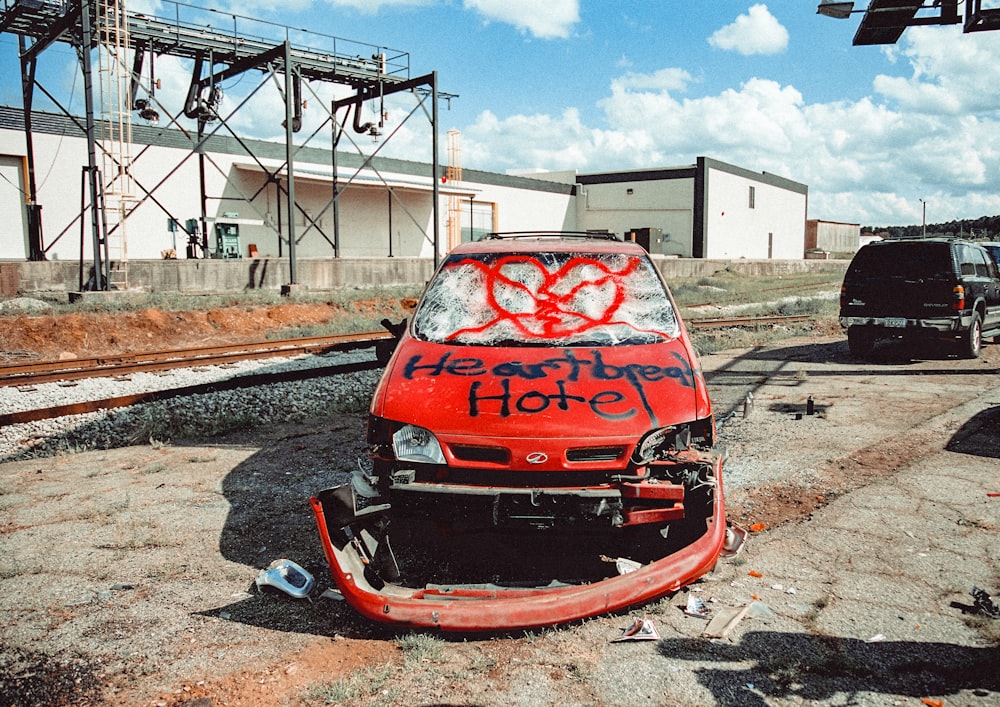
(546, 299)
(907, 260)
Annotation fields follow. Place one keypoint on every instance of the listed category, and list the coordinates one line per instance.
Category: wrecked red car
(541, 444)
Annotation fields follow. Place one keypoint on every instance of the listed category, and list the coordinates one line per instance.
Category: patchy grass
(421, 648)
(179, 302)
(729, 294)
(367, 682)
(728, 288)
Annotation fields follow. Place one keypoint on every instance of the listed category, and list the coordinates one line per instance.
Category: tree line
(982, 228)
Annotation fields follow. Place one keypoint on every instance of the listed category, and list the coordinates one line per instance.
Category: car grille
(472, 453)
(595, 454)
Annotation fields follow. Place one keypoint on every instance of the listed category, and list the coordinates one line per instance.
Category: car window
(910, 260)
(991, 264)
(546, 299)
(994, 251)
(967, 258)
(982, 269)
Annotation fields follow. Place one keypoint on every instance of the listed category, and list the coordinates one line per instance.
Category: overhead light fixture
(840, 10)
(151, 114)
(146, 110)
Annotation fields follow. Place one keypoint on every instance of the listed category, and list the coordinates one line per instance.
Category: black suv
(922, 288)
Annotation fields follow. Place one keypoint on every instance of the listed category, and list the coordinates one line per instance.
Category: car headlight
(660, 443)
(416, 444)
(653, 445)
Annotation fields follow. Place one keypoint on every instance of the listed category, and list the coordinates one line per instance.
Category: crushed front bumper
(356, 546)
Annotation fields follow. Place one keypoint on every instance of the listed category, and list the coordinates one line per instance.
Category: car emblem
(537, 458)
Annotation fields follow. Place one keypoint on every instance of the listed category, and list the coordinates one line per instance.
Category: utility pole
(923, 228)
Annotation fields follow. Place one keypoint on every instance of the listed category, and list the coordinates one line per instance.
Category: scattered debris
(625, 565)
(725, 621)
(640, 630)
(288, 577)
(735, 539)
(331, 593)
(754, 573)
(984, 604)
(696, 607)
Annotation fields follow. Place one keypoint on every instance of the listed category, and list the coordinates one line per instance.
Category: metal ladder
(116, 136)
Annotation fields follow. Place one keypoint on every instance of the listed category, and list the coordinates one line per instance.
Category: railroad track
(24, 375)
(713, 323)
(35, 372)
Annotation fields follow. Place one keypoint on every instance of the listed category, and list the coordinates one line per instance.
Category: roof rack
(601, 235)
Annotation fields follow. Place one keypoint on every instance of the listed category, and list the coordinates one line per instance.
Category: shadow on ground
(808, 667)
(980, 436)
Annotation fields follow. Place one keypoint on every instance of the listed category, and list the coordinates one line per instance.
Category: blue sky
(598, 85)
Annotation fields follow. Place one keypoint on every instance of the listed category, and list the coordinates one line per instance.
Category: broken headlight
(661, 442)
(416, 444)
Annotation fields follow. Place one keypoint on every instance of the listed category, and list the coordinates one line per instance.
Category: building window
(479, 218)
(753, 196)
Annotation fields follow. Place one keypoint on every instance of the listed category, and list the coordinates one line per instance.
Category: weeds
(421, 648)
(365, 682)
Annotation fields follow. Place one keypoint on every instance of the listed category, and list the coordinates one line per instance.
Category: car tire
(972, 342)
(860, 341)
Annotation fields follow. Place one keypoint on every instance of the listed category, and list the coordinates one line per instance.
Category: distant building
(709, 209)
(832, 236)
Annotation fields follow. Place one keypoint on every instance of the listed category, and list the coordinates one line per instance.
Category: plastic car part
(355, 543)
(735, 539)
(287, 576)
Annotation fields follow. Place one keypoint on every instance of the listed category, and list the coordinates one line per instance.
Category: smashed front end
(542, 450)
(547, 578)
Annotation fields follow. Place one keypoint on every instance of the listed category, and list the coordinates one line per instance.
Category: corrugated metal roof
(12, 118)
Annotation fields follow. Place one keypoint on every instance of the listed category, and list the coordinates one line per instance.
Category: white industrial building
(706, 210)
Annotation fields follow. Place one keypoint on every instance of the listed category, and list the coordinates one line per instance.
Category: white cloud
(757, 32)
(952, 73)
(865, 160)
(553, 19)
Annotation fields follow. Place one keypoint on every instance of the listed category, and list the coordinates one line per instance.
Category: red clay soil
(66, 336)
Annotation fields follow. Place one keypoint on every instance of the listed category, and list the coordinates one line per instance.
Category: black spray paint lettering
(570, 366)
(536, 401)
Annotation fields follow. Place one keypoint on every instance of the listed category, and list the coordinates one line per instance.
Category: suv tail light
(958, 301)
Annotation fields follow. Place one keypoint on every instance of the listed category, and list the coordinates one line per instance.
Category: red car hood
(486, 391)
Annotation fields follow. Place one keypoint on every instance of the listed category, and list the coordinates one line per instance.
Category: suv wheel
(860, 341)
(972, 343)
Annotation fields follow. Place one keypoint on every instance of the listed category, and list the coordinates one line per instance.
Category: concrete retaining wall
(198, 276)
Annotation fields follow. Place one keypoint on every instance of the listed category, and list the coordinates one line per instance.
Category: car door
(987, 272)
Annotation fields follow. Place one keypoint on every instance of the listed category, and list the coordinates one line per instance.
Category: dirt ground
(127, 576)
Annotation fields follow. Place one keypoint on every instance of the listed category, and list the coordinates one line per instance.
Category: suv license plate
(895, 322)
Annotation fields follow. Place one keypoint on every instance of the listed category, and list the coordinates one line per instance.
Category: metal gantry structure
(123, 40)
(885, 21)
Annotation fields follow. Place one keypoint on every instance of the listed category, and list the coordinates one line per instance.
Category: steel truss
(373, 72)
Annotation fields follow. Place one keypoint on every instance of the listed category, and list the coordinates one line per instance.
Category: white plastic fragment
(877, 638)
(625, 565)
(332, 593)
(696, 607)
